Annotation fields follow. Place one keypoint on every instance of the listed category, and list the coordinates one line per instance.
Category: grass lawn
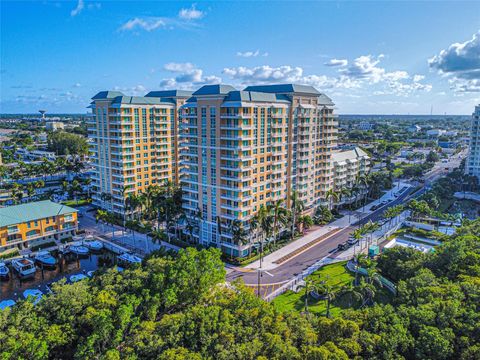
(335, 275)
(74, 203)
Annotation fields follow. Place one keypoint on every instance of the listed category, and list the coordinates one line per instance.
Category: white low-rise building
(54, 125)
(435, 132)
(348, 166)
(414, 128)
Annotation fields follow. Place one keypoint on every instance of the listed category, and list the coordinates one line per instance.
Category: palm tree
(87, 183)
(358, 259)
(158, 235)
(263, 221)
(106, 197)
(279, 218)
(253, 225)
(75, 188)
(373, 277)
(363, 182)
(30, 190)
(329, 293)
(64, 186)
(347, 192)
(368, 292)
(16, 193)
(239, 235)
(101, 215)
(296, 208)
(132, 203)
(351, 292)
(305, 222)
(370, 228)
(309, 286)
(39, 184)
(333, 197)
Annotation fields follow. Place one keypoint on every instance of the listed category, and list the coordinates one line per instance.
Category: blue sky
(369, 57)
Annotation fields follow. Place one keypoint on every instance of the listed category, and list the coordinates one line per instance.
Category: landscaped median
(338, 278)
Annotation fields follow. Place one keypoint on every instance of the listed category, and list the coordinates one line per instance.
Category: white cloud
(363, 72)
(248, 54)
(418, 78)
(265, 73)
(188, 76)
(77, 85)
(80, 6)
(337, 62)
(461, 63)
(191, 13)
(147, 24)
(186, 19)
(137, 90)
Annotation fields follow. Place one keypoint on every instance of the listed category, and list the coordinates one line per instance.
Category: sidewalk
(269, 260)
(375, 239)
(388, 196)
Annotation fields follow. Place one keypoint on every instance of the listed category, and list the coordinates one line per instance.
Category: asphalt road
(296, 265)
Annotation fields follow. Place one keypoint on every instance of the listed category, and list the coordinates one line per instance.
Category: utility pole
(260, 268)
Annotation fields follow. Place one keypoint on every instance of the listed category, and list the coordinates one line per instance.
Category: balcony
(13, 230)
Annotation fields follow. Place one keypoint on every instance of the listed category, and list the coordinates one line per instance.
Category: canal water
(68, 265)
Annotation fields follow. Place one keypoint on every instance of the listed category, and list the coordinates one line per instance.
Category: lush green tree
(64, 143)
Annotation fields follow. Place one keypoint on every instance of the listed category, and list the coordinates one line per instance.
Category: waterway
(68, 265)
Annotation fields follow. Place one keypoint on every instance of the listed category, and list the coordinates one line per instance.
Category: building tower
(133, 145)
(246, 149)
(472, 164)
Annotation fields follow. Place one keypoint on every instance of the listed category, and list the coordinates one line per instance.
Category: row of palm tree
(358, 191)
(71, 164)
(268, 223)
(17, 191)
(159, 204)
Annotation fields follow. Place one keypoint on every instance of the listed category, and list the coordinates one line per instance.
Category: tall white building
(472, 165)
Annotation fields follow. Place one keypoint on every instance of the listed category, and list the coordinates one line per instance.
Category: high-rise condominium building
(235, 151)
(472, 165)
(245, 149)
(134, 143)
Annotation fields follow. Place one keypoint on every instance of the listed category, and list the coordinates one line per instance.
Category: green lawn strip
(73, 203)
(335, 275)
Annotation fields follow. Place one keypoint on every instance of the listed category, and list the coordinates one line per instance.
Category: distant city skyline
(369, 57)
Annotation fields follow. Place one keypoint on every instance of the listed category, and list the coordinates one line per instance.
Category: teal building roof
(18, 214)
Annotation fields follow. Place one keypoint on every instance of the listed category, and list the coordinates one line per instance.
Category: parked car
(352, 241)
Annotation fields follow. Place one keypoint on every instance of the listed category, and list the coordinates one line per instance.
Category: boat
(4, 270)
(6, 304)
(35, 294)
(45, 259)
(24, 267)
(129, 259)
(93, 245)
(78, 249)
(77, 277)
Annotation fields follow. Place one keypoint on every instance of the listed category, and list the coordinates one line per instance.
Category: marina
(24, 277)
